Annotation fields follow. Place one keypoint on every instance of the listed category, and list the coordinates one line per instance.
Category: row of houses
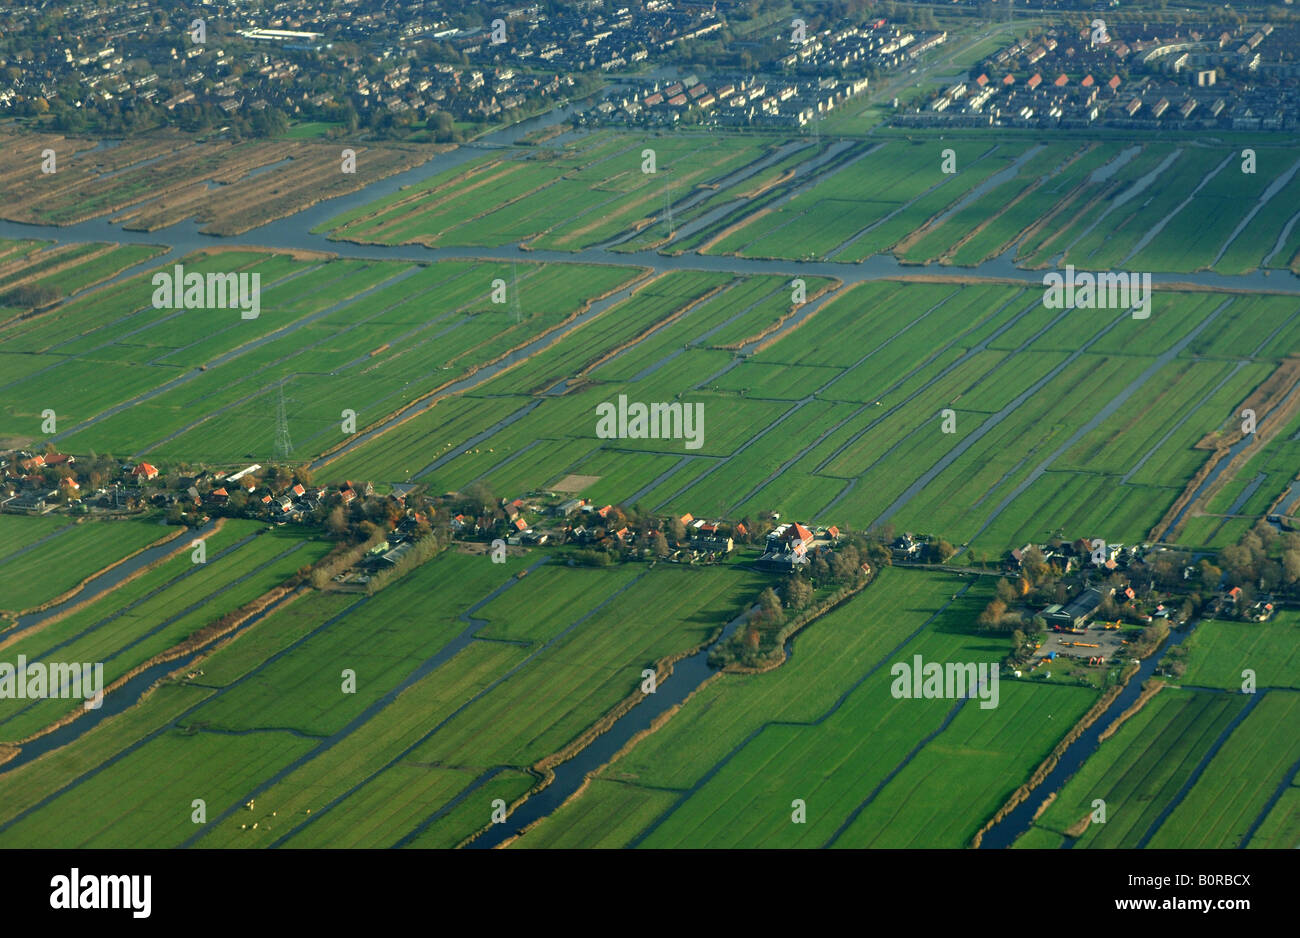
(730, 101)
(1185, 78)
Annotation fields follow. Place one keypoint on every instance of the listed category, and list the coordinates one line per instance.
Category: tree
(659, 544)
(992, 615)
(677, 529)
(478, 499)
(1238, 561)
(797, 592)
(768, 601)
(441, 125)
(883, 532)
(337, 523)
(1006, 592)
(819, 569)
(1034, 565)
(879, 555)
(1265, 533)
(941, 551)
(1290, 566)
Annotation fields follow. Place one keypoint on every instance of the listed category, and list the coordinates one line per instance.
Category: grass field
(826, 729)
(926, 388)
(35, 577)
(1138, 771)
(564, 198)
(1220, 650)
(426, 699)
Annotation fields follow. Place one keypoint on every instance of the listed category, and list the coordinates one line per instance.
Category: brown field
(160, 178)
(573, 484)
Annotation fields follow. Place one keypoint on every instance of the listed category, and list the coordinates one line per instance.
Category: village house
(144, 473)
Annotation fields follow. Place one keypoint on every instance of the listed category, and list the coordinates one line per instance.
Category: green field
(38, 576)
(476, 321)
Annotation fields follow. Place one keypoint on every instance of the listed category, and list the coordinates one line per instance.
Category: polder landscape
(569, 480)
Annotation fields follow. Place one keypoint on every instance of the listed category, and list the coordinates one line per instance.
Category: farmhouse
(907, 546)
(706, 536)
(787, 547)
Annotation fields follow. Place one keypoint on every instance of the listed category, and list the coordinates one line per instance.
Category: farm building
(31, 503)
(1077, 613)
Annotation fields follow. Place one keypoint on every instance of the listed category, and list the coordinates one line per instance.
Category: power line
(283, 444)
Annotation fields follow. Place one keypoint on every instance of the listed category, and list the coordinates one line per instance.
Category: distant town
(425, 72)
(1142, 77)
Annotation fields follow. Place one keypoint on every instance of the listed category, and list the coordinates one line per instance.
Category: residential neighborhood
(1200, 76)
